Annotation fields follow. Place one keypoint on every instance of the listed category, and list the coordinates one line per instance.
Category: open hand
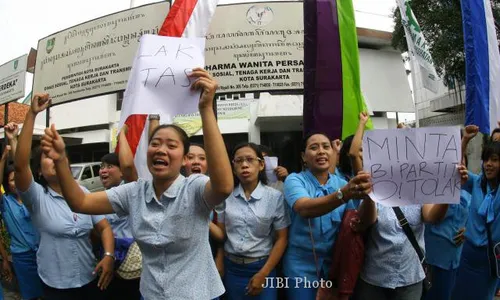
(106, 269)
(39, 103)
(52, 144)
(207, 84)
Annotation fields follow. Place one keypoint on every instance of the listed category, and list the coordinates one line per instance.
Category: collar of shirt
(54, 194)
(256, 194)
(310, 176)
(171, 193)
(487, 209)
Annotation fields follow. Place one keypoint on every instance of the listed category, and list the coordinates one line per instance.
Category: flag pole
(413, 75)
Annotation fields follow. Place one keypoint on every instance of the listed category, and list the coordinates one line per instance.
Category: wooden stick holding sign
(413, 166)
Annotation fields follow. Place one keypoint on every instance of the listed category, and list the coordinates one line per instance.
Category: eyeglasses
(250, 160)
(107, 166)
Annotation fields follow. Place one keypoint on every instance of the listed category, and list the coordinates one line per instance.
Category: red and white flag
(186, 18)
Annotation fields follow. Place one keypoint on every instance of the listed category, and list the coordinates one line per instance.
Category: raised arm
(221, 177)
(126, 157)
(336, 146)
(357, 188)
(11, 130)
(22, 156)
(357, 143)
(91, 204)
(3, 162)
(154, 121)
(470, 132)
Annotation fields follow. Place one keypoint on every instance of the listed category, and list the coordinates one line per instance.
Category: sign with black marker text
(159, 81)
(413, 166)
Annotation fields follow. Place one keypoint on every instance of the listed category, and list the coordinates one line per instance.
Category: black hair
(345, 165)
(36, 168)
(492, 148)
(8, 169)
(308, 136)
(496, 130)
(262, 174)
(266, 149)
(197, 145)
(182, 134)
(111, 159)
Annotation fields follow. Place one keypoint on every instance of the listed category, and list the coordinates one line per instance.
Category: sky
(24, 22)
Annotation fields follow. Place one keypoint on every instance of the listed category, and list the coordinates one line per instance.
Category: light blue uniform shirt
(476, 225)
(65, 259)
(298, 260)
(122, 231)
(172, 235)
(120, 225)
(390, 259)
(249, 222)
(23, 235)
(441, 250)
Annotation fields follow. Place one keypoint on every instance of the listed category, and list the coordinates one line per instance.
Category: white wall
(87, 112)
(384, 82)
(90, 137)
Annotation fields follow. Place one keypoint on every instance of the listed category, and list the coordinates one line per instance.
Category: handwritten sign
(159, 81)
(413, 166)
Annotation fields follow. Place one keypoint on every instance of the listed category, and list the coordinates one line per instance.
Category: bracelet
(154, 117)
(110, 255)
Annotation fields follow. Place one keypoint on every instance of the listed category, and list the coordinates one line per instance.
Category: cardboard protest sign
(159, 81)
(413, 166)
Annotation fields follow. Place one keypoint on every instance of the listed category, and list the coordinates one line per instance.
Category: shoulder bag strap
(409, 233)
(313, 248)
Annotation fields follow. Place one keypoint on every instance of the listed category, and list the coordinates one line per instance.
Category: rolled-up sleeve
(120, 196)
(97, 218)
(294, 189)
(282, 215)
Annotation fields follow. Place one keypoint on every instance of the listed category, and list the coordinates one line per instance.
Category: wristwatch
(340, 196)
(154, 117)
(110, 255)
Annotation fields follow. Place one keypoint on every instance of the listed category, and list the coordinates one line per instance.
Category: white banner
(12, 79)
(257, 46)
(95, 57)
(413, 166)
(418, 47)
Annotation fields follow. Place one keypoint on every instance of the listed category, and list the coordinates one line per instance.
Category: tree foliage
(441, 24)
